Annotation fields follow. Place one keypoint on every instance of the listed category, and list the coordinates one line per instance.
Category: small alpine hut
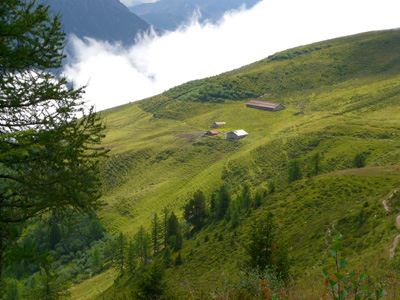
(236, 134)
(211, 132)
(265, 105)
(217, 124)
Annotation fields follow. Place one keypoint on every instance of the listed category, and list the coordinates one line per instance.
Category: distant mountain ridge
(169, 14)
(107, 20)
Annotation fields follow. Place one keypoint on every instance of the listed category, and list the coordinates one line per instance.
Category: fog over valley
(116, 75)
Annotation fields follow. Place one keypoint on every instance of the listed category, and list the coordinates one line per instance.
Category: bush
(359, 160)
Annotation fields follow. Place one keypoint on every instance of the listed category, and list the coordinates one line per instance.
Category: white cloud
(155, 64)
(136, 2)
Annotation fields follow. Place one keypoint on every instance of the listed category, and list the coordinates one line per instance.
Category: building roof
(265, 104)
(220, 123)
(213, 132)
(240, 132)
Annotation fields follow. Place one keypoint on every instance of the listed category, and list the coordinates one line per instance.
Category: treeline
(315, 167)
(218, 93)
(51, 256)
(143, 258)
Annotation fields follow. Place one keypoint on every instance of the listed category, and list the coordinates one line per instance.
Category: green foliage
(150, 284)
(224, 200)
(254, 284)
(294, 171)
(120, 251)
(315, 164)
(156, 233)
(48, 154)
(195, 210)
(14, 290)
(174, 232)
(97, 260)
(49, 285)
(343, 284)
(265, 250)
(217, 94)
(359, 160)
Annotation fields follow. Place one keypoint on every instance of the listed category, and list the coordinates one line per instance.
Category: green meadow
(342, 98)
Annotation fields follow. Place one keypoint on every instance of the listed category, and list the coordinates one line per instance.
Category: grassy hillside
(342, 98)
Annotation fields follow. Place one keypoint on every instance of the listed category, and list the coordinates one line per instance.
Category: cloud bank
(156, 63)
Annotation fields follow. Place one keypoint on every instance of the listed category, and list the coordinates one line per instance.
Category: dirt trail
(397, 238)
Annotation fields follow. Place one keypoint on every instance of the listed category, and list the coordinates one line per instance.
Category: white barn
(236, 134)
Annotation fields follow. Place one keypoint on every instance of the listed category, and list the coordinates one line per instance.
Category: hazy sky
(117, 75)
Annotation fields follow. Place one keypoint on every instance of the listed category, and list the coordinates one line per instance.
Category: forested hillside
(309, 193)
(339, 134)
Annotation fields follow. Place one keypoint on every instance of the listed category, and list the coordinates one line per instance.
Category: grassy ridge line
(341, 100)
(137, 130)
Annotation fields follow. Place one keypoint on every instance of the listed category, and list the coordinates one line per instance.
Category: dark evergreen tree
(165, 226)
(49, 162)
(156, 233)
(245, 198)
(167, 258)
(213, 205)
(195, 210)
(265, 250)
(224, 200)
(316, 164)
(174, 232)
(49, 285)
(120, 252)
(131, 257)
(150, 284)
(294, 171)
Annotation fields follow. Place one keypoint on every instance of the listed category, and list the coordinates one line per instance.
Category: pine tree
(120, 252)
(48, 158)
(265, 250)
(174, 232)
(195, 210)
(164, 226)
(224, 200)
(245, 198)
(131, 257)
(294, 171)
(97, 260)
(316, 164)
(156, 233)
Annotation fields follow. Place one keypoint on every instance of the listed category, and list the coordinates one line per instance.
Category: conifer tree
(120, 252)
(131, 257)
(97, 259)
(165, 226)
(224, 200)
(138, 241)
(316, 164)
(294, 171)
(48, 158)
(245, 198)
(156, 233)
(174, 232)
(195, 210)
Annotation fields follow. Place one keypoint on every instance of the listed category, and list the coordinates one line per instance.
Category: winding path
(397, 238)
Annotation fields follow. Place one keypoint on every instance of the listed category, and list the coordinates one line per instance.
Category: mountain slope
(107, 20)
(169, 14)
(342, 98)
